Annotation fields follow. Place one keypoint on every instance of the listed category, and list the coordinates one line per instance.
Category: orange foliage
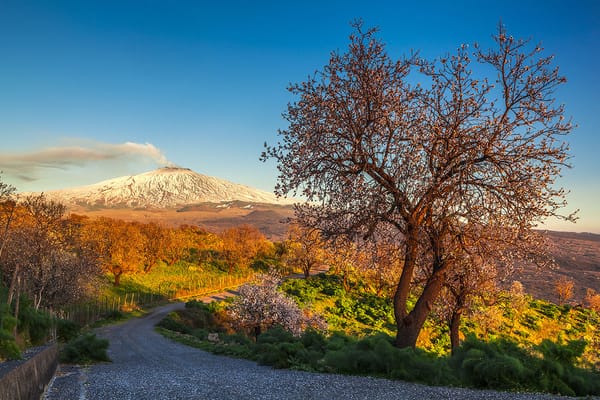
(564, 289)
(241, 244)
(592, 300)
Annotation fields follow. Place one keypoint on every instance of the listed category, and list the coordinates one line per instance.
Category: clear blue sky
(203, 84)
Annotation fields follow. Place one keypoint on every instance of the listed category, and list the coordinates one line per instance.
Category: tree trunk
(409, 327)
(17, 305)
(13, 283)
(257, 332)
(306, 270)
(345, 283)
(454, 330)
(118, 278)
(403, 289)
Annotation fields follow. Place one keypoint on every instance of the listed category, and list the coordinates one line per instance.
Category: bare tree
(304, 248)
(564, 289)
(45, 256)
(7, 211)
(371, 151)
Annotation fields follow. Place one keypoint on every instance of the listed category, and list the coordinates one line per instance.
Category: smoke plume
(27, 166)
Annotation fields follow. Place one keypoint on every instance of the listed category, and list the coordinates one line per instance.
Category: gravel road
(145, 365)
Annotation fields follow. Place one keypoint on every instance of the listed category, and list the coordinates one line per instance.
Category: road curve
(145, 365)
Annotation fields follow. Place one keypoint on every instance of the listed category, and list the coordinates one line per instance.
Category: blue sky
(90, 90)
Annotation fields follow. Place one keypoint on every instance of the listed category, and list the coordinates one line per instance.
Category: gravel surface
(148, 366)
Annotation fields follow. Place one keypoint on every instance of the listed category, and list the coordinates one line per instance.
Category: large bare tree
(478, 142)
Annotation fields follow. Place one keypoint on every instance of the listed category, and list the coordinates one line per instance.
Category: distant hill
(164, 188)
(578, 259)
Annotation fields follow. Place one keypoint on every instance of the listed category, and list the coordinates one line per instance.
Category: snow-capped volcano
(167, 187)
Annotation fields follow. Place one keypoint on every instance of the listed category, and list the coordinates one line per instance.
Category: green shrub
(557, 372)
(8, 347)
(114, 315)
(276, 334)
(566, 354)
(303, 353)
(498, 364)
(313, 340)
(199, 315)
(502, 364)
(173, 322)
(67, 330)
(85, 349)
(33, 322)
(200, 333)
(301, 290)
(338, 341)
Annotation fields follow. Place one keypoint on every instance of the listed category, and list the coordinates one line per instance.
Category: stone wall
(28, 379)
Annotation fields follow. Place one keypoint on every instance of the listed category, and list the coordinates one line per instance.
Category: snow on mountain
(167, 187)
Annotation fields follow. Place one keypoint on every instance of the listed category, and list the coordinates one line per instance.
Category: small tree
(304, 248)
(240, 245)
(563, 288)
(7, 211)
(592, 300)
(261, 306)
(156, 243)
(119, 245)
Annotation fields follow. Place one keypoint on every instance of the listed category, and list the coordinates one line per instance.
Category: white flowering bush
(261, 306)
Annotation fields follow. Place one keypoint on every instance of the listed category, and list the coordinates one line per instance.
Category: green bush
(36, 324)
(67, 330)
(174, 323)
(279, 349)
(8, 347)
(301, 290)
(85, 349)
(115, 315)
(498, 364)
(502, 364)
(557, 372)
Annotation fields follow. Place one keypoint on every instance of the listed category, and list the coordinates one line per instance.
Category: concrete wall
(28, 380)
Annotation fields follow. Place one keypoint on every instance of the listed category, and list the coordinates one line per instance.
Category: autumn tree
(381, 264)
(564, 289)
(478, 142)
(240, 245)
(592, 300)
(119, 244)
(304, 248)
(45, 257)
(7, 211)
(472, 280)
(344, 259)
(156, 242)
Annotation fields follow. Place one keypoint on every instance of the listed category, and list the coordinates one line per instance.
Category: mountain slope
(162, 188)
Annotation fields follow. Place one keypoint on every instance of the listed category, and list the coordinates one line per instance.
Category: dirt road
(145, 365)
